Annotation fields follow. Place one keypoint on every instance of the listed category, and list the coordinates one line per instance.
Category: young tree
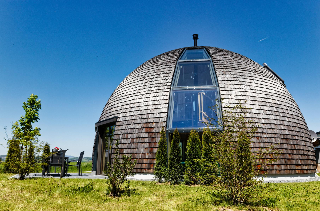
(175, 172)
(12, 161)
(26, 134)
(193, 159)
(118, 171)
(238, 165)
(161, 167)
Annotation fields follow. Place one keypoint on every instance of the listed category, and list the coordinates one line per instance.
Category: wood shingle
(141, 104)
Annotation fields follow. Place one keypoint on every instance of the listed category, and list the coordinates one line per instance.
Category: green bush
(209, 156)
(118, 171)
(12, 163)
(31, 160)
(175, 171)
(161, 167)
(2, 167)
(193, 159)
(45, 157)
(238, 165)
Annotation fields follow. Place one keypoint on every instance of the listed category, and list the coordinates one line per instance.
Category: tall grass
(86, 194)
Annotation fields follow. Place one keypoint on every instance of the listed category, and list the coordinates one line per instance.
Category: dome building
(176, 89)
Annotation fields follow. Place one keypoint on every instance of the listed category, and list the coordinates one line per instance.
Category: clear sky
(73, 54)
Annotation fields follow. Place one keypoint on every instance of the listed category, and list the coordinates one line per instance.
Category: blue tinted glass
(191, 108)
(194, 54)
(194, 74)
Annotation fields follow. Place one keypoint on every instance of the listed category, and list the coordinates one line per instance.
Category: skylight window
(192, 108)
(195, 96)
(194, 74)
(194, 54)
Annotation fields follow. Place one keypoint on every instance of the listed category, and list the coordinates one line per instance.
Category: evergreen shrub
(12, 162)
(45, 157)
(161, 166)
(193, 159)
(175, 172)
(209, 157)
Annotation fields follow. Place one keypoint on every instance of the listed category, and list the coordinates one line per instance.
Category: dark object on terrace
(78, 164)
(58, 158)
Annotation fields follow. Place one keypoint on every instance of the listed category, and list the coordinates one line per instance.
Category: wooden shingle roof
(141, 103)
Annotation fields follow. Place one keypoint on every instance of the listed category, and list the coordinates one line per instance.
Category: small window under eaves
(195, 54)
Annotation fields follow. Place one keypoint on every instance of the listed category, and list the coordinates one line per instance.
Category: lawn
(86, 194)
(86, 166)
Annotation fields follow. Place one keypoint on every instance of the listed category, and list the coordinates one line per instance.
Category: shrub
(175, 167)
(238, 165)
(209, 156)
(45, 157)
(31, 160)
(118, 171)
(12, 163)
(161, 167)
(193, 159)
(2, 167)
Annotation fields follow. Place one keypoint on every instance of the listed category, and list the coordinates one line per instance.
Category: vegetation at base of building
(238, 164)
(209, 158)
(224, 159)
(88, 194)
(118, 171)
(27, 138)
(175, 168)
(161, 166)
(193, 159)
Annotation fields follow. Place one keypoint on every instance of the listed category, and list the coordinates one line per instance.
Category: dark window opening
(103, 146)
(183, 143)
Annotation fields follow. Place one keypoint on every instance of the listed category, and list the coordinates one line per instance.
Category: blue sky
(73, 54)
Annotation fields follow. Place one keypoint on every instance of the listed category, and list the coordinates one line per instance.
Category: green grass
(86, 194)
(86, 166)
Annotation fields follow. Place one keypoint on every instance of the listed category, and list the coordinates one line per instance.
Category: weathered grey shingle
(141, 103)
